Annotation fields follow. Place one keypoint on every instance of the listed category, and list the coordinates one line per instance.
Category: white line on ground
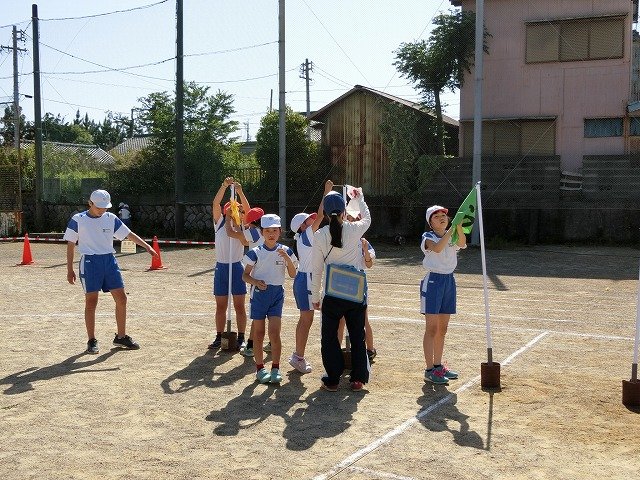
(375, 474)
(386, 438)
(374, 318)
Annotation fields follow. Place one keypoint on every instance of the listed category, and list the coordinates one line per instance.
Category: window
(575, 40)
(603, 127)
(634, 126)
(512, 137)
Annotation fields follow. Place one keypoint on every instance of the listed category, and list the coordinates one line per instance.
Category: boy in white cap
(304, 226)
(264, 270)
(94, 230)
(438, 290)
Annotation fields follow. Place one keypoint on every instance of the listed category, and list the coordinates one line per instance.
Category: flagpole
(229, 297)
(634, 366)
(489, 371)
(631, 388)
(484, 277)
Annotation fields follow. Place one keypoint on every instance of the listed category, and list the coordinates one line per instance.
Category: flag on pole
(465, 215)
(235, 211)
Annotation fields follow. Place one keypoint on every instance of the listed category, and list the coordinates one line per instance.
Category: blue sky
(229, 45)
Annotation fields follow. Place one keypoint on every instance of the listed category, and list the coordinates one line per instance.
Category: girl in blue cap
(339, 244)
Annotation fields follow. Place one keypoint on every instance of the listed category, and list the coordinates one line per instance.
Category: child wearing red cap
(438, 290)
(229, 253)
(250, 235)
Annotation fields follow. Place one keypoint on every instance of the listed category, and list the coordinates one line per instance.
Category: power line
(335, 41)
(142, 7)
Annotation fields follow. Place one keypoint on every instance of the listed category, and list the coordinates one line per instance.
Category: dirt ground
(562, 325)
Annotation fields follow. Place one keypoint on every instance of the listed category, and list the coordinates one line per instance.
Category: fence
(10, 200)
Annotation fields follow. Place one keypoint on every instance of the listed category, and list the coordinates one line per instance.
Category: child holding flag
(251, 236)
(438, 288)
(229, 253)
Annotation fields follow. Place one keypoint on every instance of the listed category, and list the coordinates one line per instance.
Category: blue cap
(333, 203)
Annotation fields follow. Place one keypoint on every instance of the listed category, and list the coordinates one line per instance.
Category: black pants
(333, 309)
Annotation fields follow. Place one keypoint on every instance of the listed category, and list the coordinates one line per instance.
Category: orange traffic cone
(27, 259)
(156, 262)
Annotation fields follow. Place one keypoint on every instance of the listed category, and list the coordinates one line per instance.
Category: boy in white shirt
(94, 230)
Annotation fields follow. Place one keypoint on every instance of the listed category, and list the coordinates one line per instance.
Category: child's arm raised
(328, 186)
(291, 266)
(233, 233)
(440, 245)
(243, 199)
(216, 209)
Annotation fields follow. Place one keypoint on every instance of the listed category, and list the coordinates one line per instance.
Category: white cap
(270, 220)
(299, 218)
(434, 209)
(101, 199)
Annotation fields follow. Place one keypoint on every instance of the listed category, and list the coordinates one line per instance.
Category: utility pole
(305, 68)
(477, 109)
(282, 116)
(179, 175)
(16, 93)
(37, 114)
(246, 125)
(132, 125)
(18, 35)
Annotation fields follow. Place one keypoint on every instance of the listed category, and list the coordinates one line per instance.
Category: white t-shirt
(95, 234)
(443, 262)
(304, 244)
(267, 264)
(253, 235)
(228, 250)
(349, 254)
(125, 214)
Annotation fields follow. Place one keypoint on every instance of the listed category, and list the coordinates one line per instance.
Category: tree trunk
(439, 123)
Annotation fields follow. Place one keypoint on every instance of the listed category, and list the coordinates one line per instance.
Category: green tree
(207, 136)
(7, 123)
(303, 156)
(441, 61)
(56, 129)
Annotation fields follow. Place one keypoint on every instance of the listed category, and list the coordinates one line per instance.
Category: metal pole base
(346, 354)
(490, 375)
(229, 341)
(631, 393)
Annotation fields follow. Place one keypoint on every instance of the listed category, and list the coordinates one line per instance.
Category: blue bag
(346, 282)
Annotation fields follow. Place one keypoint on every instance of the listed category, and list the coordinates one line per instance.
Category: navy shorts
(100, 272)
(267, 303)
(221, 280)
(302, 291)
(438, 293)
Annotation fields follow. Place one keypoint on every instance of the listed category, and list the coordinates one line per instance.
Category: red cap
(253, 215)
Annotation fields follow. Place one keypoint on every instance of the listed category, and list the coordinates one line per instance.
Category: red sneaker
(357, 386)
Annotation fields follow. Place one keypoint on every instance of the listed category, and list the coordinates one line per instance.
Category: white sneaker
(300, 364)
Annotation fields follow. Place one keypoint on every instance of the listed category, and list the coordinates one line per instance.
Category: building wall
(357, 152)
(570, 91)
